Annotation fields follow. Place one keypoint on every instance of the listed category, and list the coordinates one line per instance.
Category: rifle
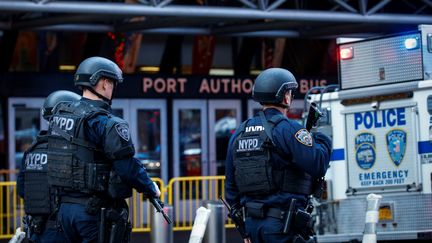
(313, 116)
(159, 208)
(236, 216)
(312, 120)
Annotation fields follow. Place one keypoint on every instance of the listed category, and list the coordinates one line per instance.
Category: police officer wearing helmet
(32, 184)
(93, 165)
(273, 162)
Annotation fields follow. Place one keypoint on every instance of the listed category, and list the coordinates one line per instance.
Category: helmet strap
(109, 101)
(283, 106)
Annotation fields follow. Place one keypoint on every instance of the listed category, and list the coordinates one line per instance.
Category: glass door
(190, 137)
(224, 118)
(24, 123)
(120, 108)
(253, 108)
(149, 126)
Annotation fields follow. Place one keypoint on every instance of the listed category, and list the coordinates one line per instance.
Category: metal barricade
(11, 209)
(185, 194)
(6, 175)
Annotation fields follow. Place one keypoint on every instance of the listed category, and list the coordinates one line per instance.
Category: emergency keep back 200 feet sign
(381, 147)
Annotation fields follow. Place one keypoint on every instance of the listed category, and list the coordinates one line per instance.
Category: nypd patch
(365, 150)
(304, 137)
(396, 145)
(123, 130)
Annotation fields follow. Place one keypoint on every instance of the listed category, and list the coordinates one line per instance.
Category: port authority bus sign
(379, 143)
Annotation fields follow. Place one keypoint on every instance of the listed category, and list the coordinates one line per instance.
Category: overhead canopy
(299, 18)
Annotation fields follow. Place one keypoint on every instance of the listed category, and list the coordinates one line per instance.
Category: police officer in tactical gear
(32, 184)
(273, 163)
(92, 165)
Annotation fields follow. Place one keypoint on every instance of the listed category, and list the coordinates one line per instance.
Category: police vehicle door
(24, 123)
(382, 147)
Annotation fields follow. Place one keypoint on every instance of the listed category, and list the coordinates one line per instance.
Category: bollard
(161, 231)
(215, 232)
(200, 225)
(371, 220)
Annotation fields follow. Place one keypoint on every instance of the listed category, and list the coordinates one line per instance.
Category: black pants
(267, 230)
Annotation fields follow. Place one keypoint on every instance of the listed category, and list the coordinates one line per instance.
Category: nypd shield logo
(365, 150)
(123, 130)
(396, 145)
(304, 137)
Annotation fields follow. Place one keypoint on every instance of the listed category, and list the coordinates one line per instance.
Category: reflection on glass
(27, 125)
(225, 126)
(2, 137)
(1, 124)
(148, 144)
(190, 142)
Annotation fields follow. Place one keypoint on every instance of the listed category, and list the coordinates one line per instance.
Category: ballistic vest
(254, 157)
(76, 165)
(37, 196)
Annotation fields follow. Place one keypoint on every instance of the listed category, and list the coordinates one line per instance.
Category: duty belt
(76, 200)
(270, 212)
(93, 202)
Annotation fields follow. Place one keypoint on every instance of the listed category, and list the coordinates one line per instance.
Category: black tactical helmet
(272, 84)
(56, 98)
(92, 69)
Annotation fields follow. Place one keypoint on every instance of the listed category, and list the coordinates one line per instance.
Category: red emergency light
(346, 53)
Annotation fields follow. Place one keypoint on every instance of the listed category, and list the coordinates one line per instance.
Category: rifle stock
(236, 218)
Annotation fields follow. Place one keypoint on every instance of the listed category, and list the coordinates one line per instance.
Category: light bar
(346, 53)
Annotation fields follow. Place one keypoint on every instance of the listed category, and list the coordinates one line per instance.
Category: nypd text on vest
(64, 123)
(36, 159)
(249, 144)
(382, 118)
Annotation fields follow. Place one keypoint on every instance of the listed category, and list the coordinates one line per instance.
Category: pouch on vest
(36, 193)
(36, 188)
(253, 170)
(97, 177)
(255, 210)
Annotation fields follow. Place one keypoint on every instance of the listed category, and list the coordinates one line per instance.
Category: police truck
(380, 120)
